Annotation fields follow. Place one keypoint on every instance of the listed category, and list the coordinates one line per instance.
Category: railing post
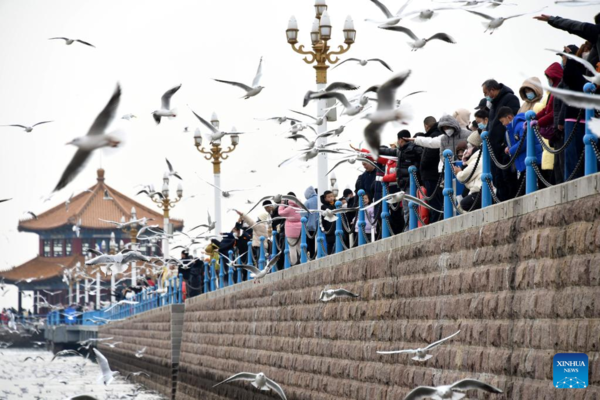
(206, 289)
(286, 255)
(303, 244)
(261, 255)
(321, 243)
(385, 214)
(486, 174)
(591, 163)
(339, 230)
(361, 219)
(240, 275)
(448, 209)
(274, 249)
(221, 273)
(531, 159)
(230, 270)
(413, 223)
(181, 288)
(213, 275)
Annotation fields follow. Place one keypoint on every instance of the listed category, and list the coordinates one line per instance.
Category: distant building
(61, 249)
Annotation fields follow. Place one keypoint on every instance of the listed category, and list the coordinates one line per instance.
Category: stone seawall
(159, 331)
(520, 280)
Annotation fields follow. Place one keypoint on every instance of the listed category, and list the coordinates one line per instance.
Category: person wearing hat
(293, 227)
(328, 203)
(470, 174)
(312, 203)
(484, 104)
(261, 227)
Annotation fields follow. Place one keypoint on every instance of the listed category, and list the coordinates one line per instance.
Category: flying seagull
(259, 381)
(595, 79)
(77, 228)
(210, 225)
(354, 159)
(226, 193)
(28, 128)
(363, 63)
(386, 112)
(330, 294)
(63, 353)
(69, 42)
(450, 392)
(350, 109)
(107, 375)
(335, 86)
(32, 214)
(495, 23)
(577, 3)
(165, 105)
(422, 354)
(172, 172)
(576, 99)
(391, 19)
(137, 374)
(318, 121)
(419, 43)
(256, 273)
(215, 134)
(250, 91)
(3, 200)
(95, 139)
(140, 353)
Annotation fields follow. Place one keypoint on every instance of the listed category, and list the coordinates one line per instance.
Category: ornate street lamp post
(166, 203)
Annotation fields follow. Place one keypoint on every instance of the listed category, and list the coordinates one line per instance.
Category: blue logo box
(570, 371)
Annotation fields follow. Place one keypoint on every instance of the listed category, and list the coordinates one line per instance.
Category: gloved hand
(379, 178)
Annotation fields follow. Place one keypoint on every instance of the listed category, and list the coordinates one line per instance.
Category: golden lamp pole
(321, 55)
(166, 203)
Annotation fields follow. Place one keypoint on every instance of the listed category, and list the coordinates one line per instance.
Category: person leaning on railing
(263, 229)
(470, 173)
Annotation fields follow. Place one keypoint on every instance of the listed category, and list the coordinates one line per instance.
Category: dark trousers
(574, 149)
(397, 219)
(505, 180)
(471, 202)
(436, 202)
(330, 240)
(310, 248)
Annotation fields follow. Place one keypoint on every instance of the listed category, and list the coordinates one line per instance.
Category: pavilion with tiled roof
(59, 246)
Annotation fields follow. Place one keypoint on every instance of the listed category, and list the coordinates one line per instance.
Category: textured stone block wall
(159, 331)
(520, 290)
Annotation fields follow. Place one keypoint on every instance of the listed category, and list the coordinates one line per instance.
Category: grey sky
(150, 46)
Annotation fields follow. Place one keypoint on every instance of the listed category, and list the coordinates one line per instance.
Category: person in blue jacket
(516, 128)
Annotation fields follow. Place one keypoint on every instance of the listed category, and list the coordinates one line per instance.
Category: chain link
(512, 159)
(342, 240)
(494, 197)
(595, 148)
(437, 186)
(567, 142)
(321, 243)
(364, 233)
(389, 225)
(522, 185)
(326, 232)
(307, 234)
(345, 224)
(416, 210)
(540, 177)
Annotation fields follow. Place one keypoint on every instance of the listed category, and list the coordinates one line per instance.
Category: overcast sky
(150, 46)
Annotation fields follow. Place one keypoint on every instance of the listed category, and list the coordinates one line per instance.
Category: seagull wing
(211, 184)
(468, 384)
(205, 123)
(169, 165)
(107, 114)
(273, 261)
(435, 344)
(409, 351)
(344, 292)
(240, 85)
(77, 163)
(341, 86)
(297, 201)
(413, 93)
(103, 362)
(387, 92)
(249, 268)
(335, 166)
(40, 123)
(63, 38)
(373, 89)
(401, 29)
(110, 222)
(243, 376)
(258, 75)
(259, 202)
(421, 392)
(348, 59)
(165, 100)
(442, 36)
(363, 159)
(275, 387)
(332, 95)
(401, 9)
(86, 43)
(17, 126)
(306, 115)
(298, 136)
(594, 125)
(383, 8)
(584, 62)
(481, 15)
(576, 99)
(379, 60)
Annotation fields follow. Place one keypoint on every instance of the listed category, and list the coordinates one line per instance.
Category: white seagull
(140, 352)
(215, 134)
(330, 294)
(256, 273)
(576, 99)
(450, 392)
(128, 117)
(496, 22)
(391, 18)
(577, 3)
(594, 125)
(250, 91)
(77, 228)
(422, 354)
(165, 105)
(335, 86)
(363, 63)
(318, 121)
(350, 109)
(107, 375)
(95, 139)
(226, 193)
(28, 128)
(259, 381)
(69, 42)
(419, 43)
(595, 79)
(173, 172)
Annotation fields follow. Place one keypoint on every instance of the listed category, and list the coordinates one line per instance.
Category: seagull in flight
(28, 128)
(595, 79)
(165, 105)
(391, 18)
(496, 22)
(594, 125)
(140, 352)
(421, 354)
(255, 272)
(77, 228)
(318, 121)
(350, 109)
(418, 43)
(253, 90)
(215, 134)
(69, 42)
(330, 294)
(210, 225)
(577, 3)
(335, 86)
(173, 172)
(363, 63)
(128, 117)
(107, 375)
(450, 392)
(3, 200)
(96, 138)
(259, 381)
(226, 193)
(353, 159)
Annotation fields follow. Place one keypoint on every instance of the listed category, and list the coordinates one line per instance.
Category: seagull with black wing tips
(280, 120)
(259, 381)
(172, 172)
(353, 159)
(330, 294)
(277, 199)
(363, 63)
(318, 121)
(350, 109)
(595, 78)
(69, 41)
(333, 87)
(165, 106)
(63, 353)
(253, 90)
(450, 392)
(421, 354)
(418, 43)
(137, 374)
(227, 193)
(96, 138)
(215, 134)
(3, 200)
(255, 272)
(106, 375)
(28, 128)
(210, 225)
(391, 19)
(496, 22)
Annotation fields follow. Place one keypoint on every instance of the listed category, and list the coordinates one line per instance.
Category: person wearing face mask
(500, 96)
(482, 120)
(470, 173)
(452, 134)
(328, 203)
(293, 227)
(531, 93)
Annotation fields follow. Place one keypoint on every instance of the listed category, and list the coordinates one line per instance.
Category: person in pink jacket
(293, 227)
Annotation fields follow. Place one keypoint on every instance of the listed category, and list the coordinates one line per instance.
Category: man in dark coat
(428, 169)
(505, 181)
(195, 285)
